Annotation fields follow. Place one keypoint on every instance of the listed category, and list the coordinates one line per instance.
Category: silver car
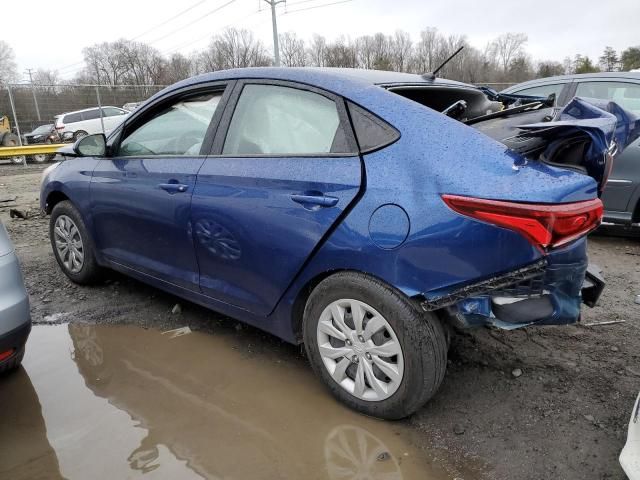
(15, 319)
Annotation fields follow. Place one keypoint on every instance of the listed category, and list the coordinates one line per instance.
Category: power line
(170, 19)
(192, 22)
(74, 70)
(208, 35)
(315, 6)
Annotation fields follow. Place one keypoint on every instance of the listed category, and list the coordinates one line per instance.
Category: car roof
(325, 77)
(579, 76)
(87, 110)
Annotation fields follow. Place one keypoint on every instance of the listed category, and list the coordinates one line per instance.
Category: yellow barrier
(30, 150)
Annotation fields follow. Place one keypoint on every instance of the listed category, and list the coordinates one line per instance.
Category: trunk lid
(584, 136)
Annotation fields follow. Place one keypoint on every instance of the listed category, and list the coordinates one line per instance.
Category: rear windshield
(440, 98)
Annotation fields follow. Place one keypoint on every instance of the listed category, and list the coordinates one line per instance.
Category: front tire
(72, 245)
(373, 349)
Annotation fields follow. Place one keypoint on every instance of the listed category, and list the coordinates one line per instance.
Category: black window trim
(377, 119)
(140, 117)
(230, 106)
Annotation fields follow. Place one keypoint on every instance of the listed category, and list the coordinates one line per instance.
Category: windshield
(43, 129)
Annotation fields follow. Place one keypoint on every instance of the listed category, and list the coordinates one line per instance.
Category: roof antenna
(432, 75)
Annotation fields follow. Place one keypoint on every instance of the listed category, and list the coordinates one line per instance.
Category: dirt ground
(564, 417)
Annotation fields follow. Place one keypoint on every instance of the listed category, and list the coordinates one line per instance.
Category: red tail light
(544, 225)
(6, 354)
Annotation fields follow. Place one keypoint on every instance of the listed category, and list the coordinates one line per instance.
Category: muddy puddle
(124, 402)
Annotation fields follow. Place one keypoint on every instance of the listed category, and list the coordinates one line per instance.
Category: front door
(286, 169)
(141, 195)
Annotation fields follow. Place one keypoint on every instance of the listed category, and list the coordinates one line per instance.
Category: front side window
(112, 112)
(542, 90)
(627, 95)
(177, 130)
(276, 120)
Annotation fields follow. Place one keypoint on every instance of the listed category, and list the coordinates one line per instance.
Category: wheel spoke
(59, 231)
(389, 349)
(358, 314)
(326, 326)
(389, 369)
(341, 370)
(374, 325)
(359, 385)
(378, 386)
(337, 313)
(326, 350)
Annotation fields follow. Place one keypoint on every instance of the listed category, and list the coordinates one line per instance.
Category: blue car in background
(360, 212)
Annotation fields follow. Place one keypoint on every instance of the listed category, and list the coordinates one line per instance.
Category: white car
(87, 121)
(630, 456)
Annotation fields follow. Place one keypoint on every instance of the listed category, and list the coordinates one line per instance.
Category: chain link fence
(30, 106)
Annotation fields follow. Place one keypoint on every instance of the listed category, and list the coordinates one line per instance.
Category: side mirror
(91, 146)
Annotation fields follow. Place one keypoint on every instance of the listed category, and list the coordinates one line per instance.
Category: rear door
(285, 169)
(141, 195)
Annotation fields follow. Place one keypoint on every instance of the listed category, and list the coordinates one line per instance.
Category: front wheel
(72, 244)
(373, 349)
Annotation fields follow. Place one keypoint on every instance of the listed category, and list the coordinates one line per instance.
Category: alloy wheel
(69, 243)
(360, 350)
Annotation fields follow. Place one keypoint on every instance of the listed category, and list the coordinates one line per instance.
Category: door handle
(314, 199)
(174, 187)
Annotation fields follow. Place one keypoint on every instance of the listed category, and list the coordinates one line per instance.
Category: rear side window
(276, 120)
(72, 118)
(371, 132)
(91, 114)
(627, 95)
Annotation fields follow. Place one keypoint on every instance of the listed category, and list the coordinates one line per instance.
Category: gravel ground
(538, 403)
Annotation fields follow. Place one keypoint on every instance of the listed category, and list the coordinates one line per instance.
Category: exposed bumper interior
(547, 292)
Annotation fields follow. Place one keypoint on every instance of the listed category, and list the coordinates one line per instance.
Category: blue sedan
(363, 213)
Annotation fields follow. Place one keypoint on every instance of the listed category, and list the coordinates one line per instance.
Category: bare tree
(340, 54)
(507, 47)
(292, 50)
(401, 48)
(177, 67)
(425, 51)
(317, 50)
(365, 51)
(234, 49)
(7, 63)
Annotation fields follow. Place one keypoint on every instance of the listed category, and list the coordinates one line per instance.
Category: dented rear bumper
(547, 292)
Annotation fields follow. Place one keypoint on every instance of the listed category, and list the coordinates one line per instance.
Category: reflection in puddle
(121, 402)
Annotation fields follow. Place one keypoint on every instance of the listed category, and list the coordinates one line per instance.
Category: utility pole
(276, 48)
(33, 91)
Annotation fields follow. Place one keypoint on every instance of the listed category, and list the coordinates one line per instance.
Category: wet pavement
(96, 401)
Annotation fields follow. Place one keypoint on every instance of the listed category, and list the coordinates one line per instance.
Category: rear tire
(79, 134)
(67, 229)
(13, 363)
(39, 158)
(10, 140)
(420, 362)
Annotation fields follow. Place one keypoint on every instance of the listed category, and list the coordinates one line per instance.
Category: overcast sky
(51, 35)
